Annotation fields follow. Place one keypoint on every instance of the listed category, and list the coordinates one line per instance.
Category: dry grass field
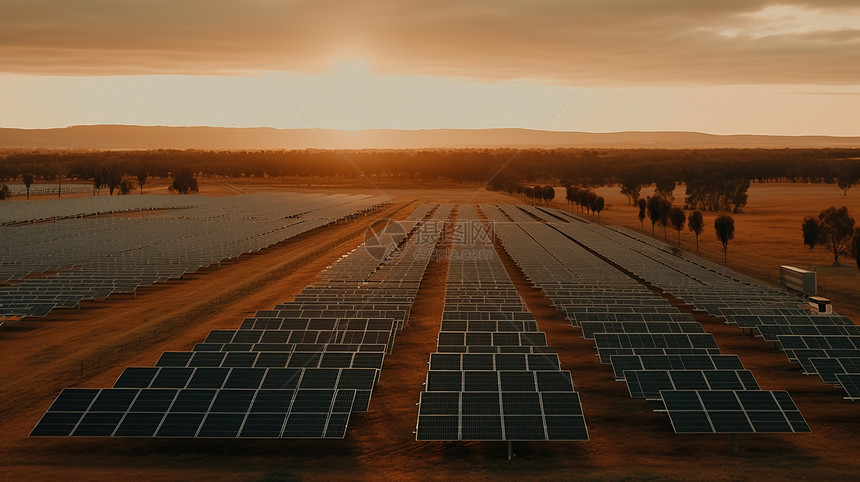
(628, 440)
(767, 235)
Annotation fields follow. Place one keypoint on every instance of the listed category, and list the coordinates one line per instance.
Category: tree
(573, 195)
(4, 192)
(714, 186)
(111, 176)
(58, 171)
(185, 181)
(142, 174)
(696, 224)
(653, 206)
(631, 187)
(98, 182)
(591, 200)
(725, 228)
(664, 187)
(598, 206)
(736, 195)
(548, 193)
(716, 193)
(664, 207)
(643, 205)
(537, 194)
(855, 246)
(845, 179)
(811, 231)
(28, 181)
(678, 219)
(836, 228)
(126, 186)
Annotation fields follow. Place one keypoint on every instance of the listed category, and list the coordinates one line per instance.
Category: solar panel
(823, 342)
(729, 411)
(851, 384)
(827, 368)
(654, 340)
(771, 332)
(606, 354)
(622, 363)
(589, 328)
(482, 416)
(438, 427)
(200, 413)
(477, 403)
(649, 383)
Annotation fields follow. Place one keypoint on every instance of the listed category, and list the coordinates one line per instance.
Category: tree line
(660, 211)
(834, 228)
(631, 168)
(116, 179)
(585, 199)
(537, 194)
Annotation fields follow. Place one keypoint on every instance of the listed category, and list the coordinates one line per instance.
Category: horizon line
(431, 129)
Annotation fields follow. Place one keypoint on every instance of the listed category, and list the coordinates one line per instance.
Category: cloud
(613, 42)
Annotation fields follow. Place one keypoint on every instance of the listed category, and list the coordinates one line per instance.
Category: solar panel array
(58, 265)
(516, 214)
(493, 377)
(53, 209)
(544, 214)
(296, 371)
(525, 213)
(21, 189)
(810, 340)
(658, 351)
(495, 214)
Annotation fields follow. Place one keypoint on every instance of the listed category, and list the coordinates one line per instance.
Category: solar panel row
(493, 377)
(299, 376)
(60, 264)
(659, 352)
(775, 316)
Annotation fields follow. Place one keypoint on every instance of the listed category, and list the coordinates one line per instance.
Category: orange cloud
(617, 42)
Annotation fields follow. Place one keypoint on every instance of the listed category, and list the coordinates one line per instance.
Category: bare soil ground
(628, 440)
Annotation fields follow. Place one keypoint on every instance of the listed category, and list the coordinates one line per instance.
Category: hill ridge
(117, 136)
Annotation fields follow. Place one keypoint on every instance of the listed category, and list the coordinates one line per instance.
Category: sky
(723, 67)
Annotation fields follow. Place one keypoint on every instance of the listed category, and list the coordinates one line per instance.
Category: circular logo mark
(382, 238)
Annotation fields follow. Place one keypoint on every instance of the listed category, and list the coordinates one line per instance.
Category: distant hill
(223, 138)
